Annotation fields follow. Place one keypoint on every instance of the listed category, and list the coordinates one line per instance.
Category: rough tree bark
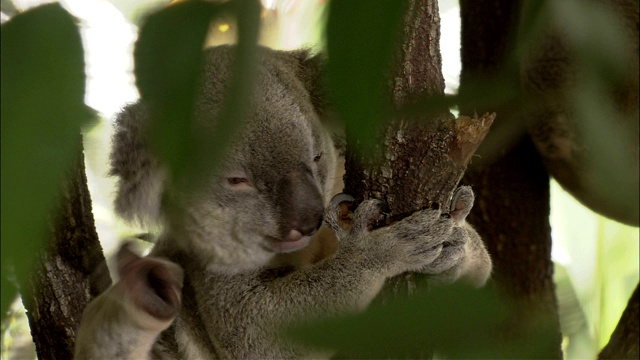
(624, 340)
(512, 189)
(419, 159)
(70, 272)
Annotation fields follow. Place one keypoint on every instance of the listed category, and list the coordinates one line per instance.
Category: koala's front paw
(343, 220)
(419, 239)
(406, 245)
(338, 215)
(447, 266)
(151, 288)
(463, 253)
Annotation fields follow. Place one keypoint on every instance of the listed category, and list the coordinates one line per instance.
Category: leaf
(43, 84)
(601, 49)
(459, 322)
(361, 42)
(168, 62)
(168, 59)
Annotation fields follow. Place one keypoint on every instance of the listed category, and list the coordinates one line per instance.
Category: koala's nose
(300, 203)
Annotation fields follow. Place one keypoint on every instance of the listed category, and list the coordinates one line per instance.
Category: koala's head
(270, 191)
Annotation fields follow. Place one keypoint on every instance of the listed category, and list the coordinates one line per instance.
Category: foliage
(458, 321)
(43, 109)
(168, 84)
(361, 41)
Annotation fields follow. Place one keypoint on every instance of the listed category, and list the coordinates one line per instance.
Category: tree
(42, 169)
(514, 183)
(71, 271)
(514, 179)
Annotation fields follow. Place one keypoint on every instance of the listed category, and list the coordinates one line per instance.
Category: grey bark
(70, 271)
(420, 158)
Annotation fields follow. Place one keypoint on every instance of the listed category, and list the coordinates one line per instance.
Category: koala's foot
(338, 215)
(341, 217)
(453, 248)
(406, 245)
(463, 253)
(153, 287)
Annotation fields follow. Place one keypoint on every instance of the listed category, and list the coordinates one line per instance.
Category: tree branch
(71, 271)
(419, 159)
(625, 339)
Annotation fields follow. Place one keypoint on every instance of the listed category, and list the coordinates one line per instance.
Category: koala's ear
(461, 203)
(141, 178)
(311, 72)
(313, 75)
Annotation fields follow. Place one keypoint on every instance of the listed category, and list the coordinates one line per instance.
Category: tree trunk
(625, 339)
(512, 190)
(70, 272)
(419, 159)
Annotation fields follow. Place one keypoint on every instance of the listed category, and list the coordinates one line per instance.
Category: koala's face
(272, 187)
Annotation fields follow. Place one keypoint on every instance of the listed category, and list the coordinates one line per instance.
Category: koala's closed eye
(317, 157)
(238, 182)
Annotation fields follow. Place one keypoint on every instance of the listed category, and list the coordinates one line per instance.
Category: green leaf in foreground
(43, 84)
(456, 321)
(168, 62)
(362, 39)
(168, 59)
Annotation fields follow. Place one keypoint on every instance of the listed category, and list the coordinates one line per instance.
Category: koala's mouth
(294, 241)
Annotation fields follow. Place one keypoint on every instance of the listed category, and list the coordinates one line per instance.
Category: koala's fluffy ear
(140, 176)
(312, 74)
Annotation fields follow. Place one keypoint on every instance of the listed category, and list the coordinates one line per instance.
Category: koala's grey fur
(224, 236)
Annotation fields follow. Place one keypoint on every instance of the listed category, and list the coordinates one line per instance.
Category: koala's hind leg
(124, 321)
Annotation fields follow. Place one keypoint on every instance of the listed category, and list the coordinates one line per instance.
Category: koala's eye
(237, 180)
(317, 157)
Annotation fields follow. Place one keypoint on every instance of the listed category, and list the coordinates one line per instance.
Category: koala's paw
(457, 248)
(152, 288)
(344, 221)
(418, 240)
(447, 266)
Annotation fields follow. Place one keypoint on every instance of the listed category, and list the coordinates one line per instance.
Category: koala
(215, 285)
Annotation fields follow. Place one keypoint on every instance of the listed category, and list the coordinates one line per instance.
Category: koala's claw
(368, 214)
(341, 198)
(461, 203)
(456, 196)
(337, 215)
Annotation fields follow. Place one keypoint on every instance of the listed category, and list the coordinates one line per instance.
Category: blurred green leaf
(595, 34)
(168, 62)
(459, 322)
(361, 42)
(601, 50)
(243, 75)
(43, 84)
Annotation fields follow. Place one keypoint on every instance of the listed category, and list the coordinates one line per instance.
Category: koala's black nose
(300, 202)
